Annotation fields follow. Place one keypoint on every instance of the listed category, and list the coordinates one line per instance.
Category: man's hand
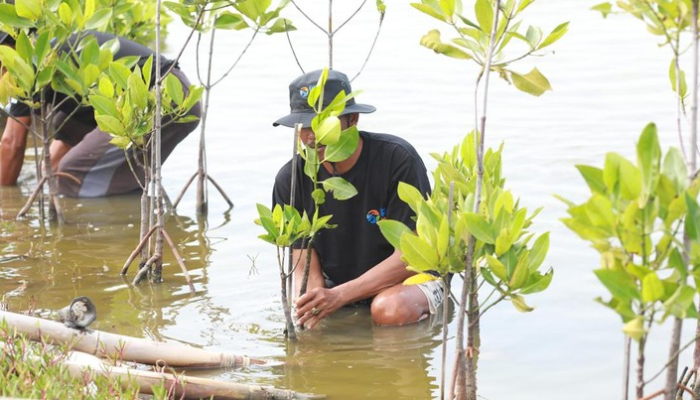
(316, 304)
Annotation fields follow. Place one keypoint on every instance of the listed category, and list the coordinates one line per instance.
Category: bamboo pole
(128, 348)
(187, 387)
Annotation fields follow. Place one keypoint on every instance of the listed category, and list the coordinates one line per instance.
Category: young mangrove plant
(52, 51)
(206, 18)
(634, 219)
(285, 226)
(470, 225)
(676, 23)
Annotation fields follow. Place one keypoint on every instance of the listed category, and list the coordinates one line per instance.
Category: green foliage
(505, 257)
(474, 38)
(35, 370)
(669, 20)
(284, 225)
(258, 15)
(125, 105)
(633, 219)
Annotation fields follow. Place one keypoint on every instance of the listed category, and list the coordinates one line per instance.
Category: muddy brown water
(609, 79)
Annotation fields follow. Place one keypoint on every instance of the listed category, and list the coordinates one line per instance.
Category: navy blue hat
(302, 113)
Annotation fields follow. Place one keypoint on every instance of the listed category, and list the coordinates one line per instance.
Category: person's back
(90, 165)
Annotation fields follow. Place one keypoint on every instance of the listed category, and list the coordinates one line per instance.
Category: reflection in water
(84, 256)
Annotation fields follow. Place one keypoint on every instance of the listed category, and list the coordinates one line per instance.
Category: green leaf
(533, 82)
(620, 284)
(520, 274)
(345, 147)
(418, 254)
(519, 303)
(409, 194)
(652, 288)
(173, 87)
(692, 220)
(393, 230)
(648, 158)
(675, 169)
(65, 13)
(603, 8)
(119, 74)
(635, 328)
(319, 196)
(674, 78)
(429, 10)
(593, 177)
(280, 25)
(342, 189)
(9, 17)
(497, 267)
(110, 125)
(432, 41)
(484, 15)
(537, 283)
(448, 7)
(480, 228)
(30, 9)
(556, 34)
(99, 19)
(328, 132)
(539, 251)
(104, 106)
(524, 4)
(229, 20)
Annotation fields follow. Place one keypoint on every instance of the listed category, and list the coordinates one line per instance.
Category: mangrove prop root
(138, 249)
(179, 259)
(23, 212)
(184, 190)
(216, 185)
(146, 267)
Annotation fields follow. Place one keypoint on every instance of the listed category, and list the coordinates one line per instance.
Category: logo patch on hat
(304, 91)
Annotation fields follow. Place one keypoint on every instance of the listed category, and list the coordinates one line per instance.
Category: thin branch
(309, 18)
(350, 17)
(371, 49)
(675, 355)
(187, 41)
(289, 40)
(143, 271)
(238, 59)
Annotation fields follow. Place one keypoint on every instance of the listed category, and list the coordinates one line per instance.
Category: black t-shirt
(85, 114)
(356, 244)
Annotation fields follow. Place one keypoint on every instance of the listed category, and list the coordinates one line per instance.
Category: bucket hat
(302, 113)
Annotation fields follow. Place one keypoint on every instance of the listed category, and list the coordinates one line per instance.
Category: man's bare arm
(14, 142)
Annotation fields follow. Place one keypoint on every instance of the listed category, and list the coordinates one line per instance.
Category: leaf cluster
(474, 38)
(125, 105)
(634, 218)
(503, 254)
(259, 15)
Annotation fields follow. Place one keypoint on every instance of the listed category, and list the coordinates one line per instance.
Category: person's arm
(387, 273)
(315, 279)
(14, 142)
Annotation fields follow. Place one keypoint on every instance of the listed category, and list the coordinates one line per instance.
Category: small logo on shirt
(373, 216)
(304, 91)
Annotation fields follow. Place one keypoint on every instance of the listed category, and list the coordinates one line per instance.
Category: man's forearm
(14, 142)
(387, 273)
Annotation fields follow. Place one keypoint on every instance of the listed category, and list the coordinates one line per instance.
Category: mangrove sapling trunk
(330, 34)
(157, 275)
(290, 331)
(445, 300)
(692, 171)
(626, 368)
(292, 198)
(672, 370)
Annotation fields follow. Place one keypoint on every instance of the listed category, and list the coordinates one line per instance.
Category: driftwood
(126, 348)
(182, 386)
